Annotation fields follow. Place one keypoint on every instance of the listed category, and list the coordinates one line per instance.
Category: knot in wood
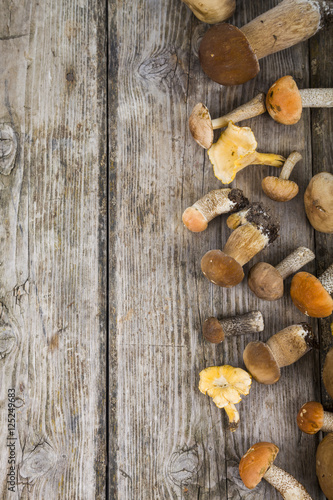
(184, 466)
(7, 339)
(8, 148)
(160, 67)
(38, 462)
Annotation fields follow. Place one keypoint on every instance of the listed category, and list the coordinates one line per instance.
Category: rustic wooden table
(102, 297)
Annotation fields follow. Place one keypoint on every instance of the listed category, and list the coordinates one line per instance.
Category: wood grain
(53, 252)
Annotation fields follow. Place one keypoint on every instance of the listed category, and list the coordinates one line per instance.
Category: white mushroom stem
(214, 203)
(290, 344)
(251, 322)
(286, 484)
(245, 242)
(294, 261)
(317, 98)
(253, 108)
(326, 279)
(289, 164)
(327, 422)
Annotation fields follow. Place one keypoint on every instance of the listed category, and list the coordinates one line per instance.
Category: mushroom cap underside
(201, 127)
(260, 362)
(279, 189)
(226, 55)
(284, 102)
(318, 202)
(328, 372)
(256, 462)
(324, 465)
(309, 296)
(310, 417)
(225, 384)
(221, 269)
(265, 281)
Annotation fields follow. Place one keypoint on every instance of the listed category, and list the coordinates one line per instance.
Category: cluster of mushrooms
(230, 56)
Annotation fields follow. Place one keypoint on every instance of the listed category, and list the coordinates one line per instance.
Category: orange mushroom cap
(310, 417)
(284, 102)
(256, 462)
(310, 297)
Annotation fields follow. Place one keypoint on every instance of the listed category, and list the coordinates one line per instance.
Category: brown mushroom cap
(265, 281)
(279, 189)
(201, 126)
(194, 220)
(284, 102)
(221, 269)
(260, 362)
(255, 463)
(318, 202)
(324, 465)
(328, 372)
(213, 331)
(226, 55)
(310, 417)
(309, 296)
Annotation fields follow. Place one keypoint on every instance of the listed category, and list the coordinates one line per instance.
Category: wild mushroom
(328, 373)
(255, 229)
(311, 295)
(266, 281)
(312, 418)
(285, 101)
(324, 465)
(235, 150)
(225, 384)
(230, 56)
(215, 330)
(217, 202)
(281, 188)
(257, 464)
(202, 126)
(318, 202)
(264, 360)
(212, 11)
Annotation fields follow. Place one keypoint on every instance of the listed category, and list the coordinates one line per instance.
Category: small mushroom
(225, 384)
(328, 372)
(312, 295)
(215, 330)
(212, 11)
(266, 281)
(235, 150)
(257, 464)
(281, 188)
(312, 418)
(285, 101)
(255, 229)
(217, 202)
(318, 202)
(202, 126)
(264, 360)
(324, 465)
(230, 56)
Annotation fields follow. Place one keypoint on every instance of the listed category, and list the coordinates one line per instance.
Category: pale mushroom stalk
(317, 98)
(266, 281)
(215, 330)
(312, 418)
(214, 203)
(328, 422)
(212, 11)
(253, 108)
(230, 56)
(326, 279)
(289, 164)
(286, 484)
(281, 188)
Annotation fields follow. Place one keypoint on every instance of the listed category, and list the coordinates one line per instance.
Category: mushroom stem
(253, 108)
(290, 22)
(233, 416)
(297, 259)
(289, 164)
(317, 98)
(250, 322)
(291, 343)
(256, 158)
(327, 422)
(285, 484)
(244, 243)
(326, 279)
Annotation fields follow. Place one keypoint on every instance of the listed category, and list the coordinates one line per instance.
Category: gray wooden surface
(101, 294)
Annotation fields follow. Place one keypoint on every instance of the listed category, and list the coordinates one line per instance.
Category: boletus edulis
(255, 228)
(264, 360)
(212, 11)
(258, 464)
(324, 465)
(230, 56)
(216, 330)
(311, 295)
(318, 202)
(328, 372)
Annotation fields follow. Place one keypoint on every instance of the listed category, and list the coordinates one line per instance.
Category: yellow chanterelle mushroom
(235, 150)
(225, 384)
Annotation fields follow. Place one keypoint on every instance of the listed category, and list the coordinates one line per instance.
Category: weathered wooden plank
(173, 441)
(53, 252)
